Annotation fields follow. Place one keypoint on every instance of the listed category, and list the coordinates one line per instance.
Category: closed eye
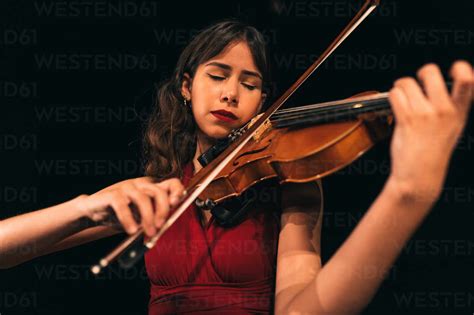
(216, 77)
(249, 86)
(219, 78)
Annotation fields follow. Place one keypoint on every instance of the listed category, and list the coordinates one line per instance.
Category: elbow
(6, 264)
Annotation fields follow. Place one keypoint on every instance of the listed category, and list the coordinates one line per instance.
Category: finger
(162, 207)
(462, 92)
(145, 207)
(416, 98)
(161, 202)
(120, 205)
(400, 106)
(432, 79)
(174, 188)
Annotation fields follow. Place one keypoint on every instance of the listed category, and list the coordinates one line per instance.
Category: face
(225, 92)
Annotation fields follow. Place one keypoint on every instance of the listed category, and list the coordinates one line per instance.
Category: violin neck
(342, 110)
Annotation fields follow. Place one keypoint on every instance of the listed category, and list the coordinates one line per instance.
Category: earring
(185, 102)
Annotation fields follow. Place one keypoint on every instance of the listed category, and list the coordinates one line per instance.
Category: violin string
(336, 103)
(336, 116)
(319, 119)
(330, 116)
(350, 109)
(346, 107)
(324, 107)
(371, 105)
(371, 108)
(333, 103)
(381, 96)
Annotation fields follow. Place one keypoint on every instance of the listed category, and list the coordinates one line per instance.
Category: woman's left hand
(429, 122)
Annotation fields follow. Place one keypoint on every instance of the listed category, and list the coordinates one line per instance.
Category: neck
(203, 144)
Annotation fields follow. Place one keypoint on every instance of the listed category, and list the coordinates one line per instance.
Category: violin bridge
(262, 130)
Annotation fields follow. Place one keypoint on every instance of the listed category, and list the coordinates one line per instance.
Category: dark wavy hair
(170, 134)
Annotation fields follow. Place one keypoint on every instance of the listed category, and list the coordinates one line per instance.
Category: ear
(262, 101)
(186, 86)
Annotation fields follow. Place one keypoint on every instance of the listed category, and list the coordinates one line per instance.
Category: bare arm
(72, 223)
(29, 235)
(426, 132)
(299, 245)
(348, 281)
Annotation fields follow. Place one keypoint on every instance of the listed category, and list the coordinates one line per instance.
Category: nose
(230, 94)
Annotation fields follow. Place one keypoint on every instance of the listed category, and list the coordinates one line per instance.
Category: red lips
(224, 115)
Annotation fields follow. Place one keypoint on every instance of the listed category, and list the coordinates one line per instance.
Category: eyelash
(218, 78)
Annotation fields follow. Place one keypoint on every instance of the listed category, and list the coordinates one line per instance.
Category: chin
(217, 132)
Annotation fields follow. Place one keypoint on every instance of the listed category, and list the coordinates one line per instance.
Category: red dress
(212, 269)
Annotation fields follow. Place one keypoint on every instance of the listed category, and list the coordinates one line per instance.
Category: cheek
(251, 106)
(201, 100)
(203, 95)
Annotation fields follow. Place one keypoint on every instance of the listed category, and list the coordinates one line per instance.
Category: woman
(218, 85)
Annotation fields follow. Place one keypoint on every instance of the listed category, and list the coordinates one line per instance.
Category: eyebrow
(227, 67)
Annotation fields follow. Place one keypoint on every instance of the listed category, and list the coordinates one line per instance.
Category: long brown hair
(170, 134)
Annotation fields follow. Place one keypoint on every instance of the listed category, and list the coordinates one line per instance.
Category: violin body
(297, 154)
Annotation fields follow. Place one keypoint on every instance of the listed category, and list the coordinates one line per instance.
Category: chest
(197, 250)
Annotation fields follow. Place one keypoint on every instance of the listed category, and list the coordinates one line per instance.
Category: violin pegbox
(236, 133)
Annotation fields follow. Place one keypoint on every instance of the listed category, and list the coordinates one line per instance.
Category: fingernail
(132, 230)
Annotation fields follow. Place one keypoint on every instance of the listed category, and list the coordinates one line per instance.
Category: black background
(56, 142)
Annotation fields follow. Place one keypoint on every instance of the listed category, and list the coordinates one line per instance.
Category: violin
(299, 144)
(296, 145)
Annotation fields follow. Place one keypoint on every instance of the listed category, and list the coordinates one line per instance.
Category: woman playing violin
(267, 263)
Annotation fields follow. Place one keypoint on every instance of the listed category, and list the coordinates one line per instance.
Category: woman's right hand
(134, 202)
